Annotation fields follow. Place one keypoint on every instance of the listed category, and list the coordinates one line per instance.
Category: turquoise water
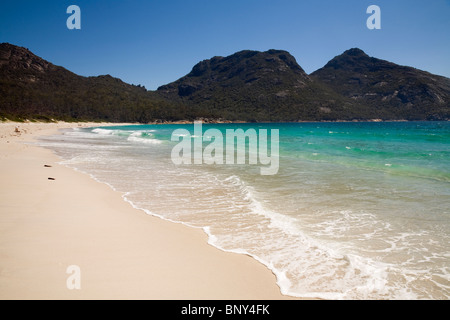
(355, 211)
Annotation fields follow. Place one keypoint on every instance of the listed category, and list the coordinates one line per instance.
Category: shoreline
(122, 252)
(210, 121)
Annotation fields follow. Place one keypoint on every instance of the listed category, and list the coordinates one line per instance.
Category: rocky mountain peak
(355, 52)
(19, 58)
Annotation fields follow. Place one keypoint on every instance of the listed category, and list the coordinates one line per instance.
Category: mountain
(395, 92)
(258, 86)
(31, 87)
(247, 85)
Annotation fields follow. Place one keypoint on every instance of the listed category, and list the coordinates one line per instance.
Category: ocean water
(356, 210)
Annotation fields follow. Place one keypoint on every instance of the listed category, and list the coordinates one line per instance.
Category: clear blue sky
(154, 42)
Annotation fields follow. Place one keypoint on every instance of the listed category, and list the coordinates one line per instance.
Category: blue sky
(154, 42)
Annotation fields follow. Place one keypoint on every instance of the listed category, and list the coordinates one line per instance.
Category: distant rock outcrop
(396, 92)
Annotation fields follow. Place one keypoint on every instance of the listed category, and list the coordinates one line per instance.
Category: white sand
(48, 225)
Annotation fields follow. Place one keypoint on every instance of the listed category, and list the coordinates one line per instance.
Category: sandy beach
(47, 225)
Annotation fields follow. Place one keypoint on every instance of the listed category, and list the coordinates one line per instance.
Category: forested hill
(248, 86)
(33, 88)
(260, 86)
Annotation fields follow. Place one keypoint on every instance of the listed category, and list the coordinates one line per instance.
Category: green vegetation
(258, 86)
(248, 86)
(32, 88)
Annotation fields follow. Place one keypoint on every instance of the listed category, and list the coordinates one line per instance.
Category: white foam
(142, 133)
(282, 280)
(358, 278)
(144, 140)
(104, 132)
(141, 136)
